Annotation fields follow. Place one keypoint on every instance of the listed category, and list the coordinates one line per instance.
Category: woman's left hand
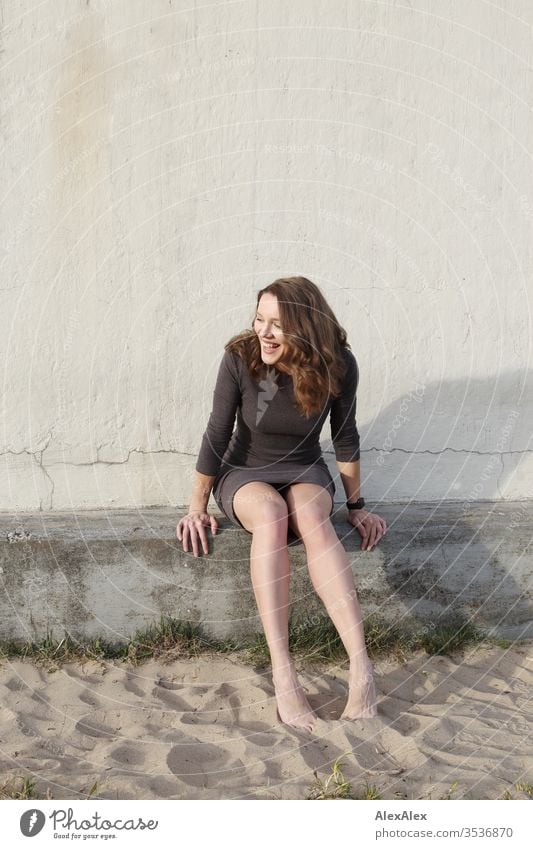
(370, 526)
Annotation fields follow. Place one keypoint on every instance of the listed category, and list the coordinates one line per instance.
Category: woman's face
(268, 327)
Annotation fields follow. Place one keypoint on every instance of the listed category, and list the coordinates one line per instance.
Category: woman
(269, 477)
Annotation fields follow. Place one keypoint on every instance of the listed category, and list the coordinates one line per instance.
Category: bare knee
(260, 508)
(312, 519)
(271, 517)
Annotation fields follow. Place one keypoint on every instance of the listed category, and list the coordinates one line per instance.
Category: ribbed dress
(272, 442)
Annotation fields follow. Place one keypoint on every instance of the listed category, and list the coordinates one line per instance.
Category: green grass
(521, 787)
(319, 641)
(334, 786)
(451, 790)
(450, 636)
(446, 636)
(314, 639)
(369, 791)
(502, 643)
(182, 637)
(25, 789)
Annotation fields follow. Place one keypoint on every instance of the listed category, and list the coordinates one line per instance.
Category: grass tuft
(451, 635)
(312, 639)
(370, 791)
(169, 635)
(22, 787)
(525, 787)
(25, 787)
(450, 791)
(391, 640)
(318, 641)
(334, 786)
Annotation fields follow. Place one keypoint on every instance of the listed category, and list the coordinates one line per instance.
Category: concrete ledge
(109, 573)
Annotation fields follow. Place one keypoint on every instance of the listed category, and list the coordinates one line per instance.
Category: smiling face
(267, 325)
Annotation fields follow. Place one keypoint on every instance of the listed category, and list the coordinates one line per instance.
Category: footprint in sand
(372, 755)
(170, 700)
(221, 708)
(131, 685)
(88, 698)
(403, 748)
(193, 762)
(127, 754)
(15, 685)
(91, 727)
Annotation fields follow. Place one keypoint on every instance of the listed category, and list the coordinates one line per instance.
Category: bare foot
(293, 707)
(361, 702)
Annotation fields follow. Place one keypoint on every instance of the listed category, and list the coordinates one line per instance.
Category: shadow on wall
(463, 440)
(460, 448)
(462, 445)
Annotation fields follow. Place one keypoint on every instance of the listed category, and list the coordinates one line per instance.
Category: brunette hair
(314, 338)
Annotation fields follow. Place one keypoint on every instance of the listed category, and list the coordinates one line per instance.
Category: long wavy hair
(315, 341)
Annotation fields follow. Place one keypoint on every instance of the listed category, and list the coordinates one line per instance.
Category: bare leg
(264, 512)
(332, 578)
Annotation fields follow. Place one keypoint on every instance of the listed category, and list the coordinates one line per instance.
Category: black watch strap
(356, 505)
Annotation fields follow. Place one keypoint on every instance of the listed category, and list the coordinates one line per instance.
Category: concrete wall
(92, 577)
(162, 161)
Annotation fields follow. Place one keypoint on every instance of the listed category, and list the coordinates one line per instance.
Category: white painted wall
(162, 161)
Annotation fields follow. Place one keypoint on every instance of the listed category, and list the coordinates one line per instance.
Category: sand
(206, 728)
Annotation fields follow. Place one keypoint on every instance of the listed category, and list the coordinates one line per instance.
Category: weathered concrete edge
(110, 573)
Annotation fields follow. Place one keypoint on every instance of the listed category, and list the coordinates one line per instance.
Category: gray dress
(273, 442)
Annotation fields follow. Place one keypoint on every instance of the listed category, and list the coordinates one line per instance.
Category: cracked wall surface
(379, 150)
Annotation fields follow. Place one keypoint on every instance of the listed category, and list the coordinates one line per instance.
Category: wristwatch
(356, 505)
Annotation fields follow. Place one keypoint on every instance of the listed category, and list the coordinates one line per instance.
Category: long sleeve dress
(272, 442)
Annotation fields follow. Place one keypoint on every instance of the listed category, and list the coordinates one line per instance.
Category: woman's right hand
(192, 526)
